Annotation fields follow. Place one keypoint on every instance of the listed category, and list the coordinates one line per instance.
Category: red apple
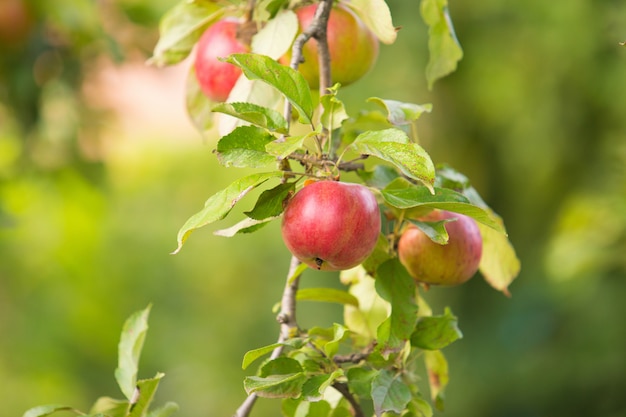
(16, 23)
(353, 47)
(217, 78)
(450, 264)
(331, 225)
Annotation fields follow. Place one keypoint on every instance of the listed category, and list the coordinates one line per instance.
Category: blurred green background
(99, 167)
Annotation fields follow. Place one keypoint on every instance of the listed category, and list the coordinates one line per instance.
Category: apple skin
(450, 264)
(217, 78)
(331, 225)
(353, 47)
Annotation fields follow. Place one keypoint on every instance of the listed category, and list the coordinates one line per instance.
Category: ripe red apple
(331, 225)
(353, 47)
(217, 78)
(450, 264)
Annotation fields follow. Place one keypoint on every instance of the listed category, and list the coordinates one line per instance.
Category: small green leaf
(333, 111)
(285, 148)
(110, 407)
(244, 147)
(443, 45)
(276, 386)
(180, 29)
(437, 368)
(276, 37)
(436, 231)
(129, 351)
(499, 264)
(419, 407)
(147, 388)
(252, 355)
(198, 104)
(436, 332)
(389, 393)
(270, 202)
(285, 79)
(394, 146)
(399, 113)
(46, 410)
(327, 295)
(165, 410)
(220, 204)
(313, 389)
(247, 225)
(402, 194)
(395, 285)
(377, 17)
(257, 115)
(328, 339)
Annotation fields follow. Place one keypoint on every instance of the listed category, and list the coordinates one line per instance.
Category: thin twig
(345, 391)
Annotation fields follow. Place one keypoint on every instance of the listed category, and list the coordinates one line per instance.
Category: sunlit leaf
(129, 351)
(402, 194)
(275, 38)
(180, 29)
(394, 146)
(437, 369)
(377, 17)
(314, 388)
(328, 339)
(257, 115)
(253, 355)
(220, 204)
(111, 407)
(389, 392)
(499, 264)
(400, 113)
(244, 147)
(246, 225)
(436, 332)
(280, 378)
(327, 295)
(333, 111)
(395, 285)
(285, 148)
(46, 410)
(443, 45)
(147, 388)
(288, 81)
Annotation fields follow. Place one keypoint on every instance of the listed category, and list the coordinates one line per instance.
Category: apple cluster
(353, 50)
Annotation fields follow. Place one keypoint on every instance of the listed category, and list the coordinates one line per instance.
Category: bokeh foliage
(533, 115)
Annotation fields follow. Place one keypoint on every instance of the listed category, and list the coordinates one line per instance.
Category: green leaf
(360, 381)
(327, 295)
(394, 146)
(328, 339)
(111, 407)
(276, 37)
(46, 410)
(313, 389)
(436, 231)
(285, 79)
(198, 104)
(290, 145)
(379, 177)
(220, 204)
(333, 110)
(437, 369)
(165, 410)
(402, 194)
(389, 393)
(377, 17)
(379, 255)
(270, 202)
(247, 225)
(399, 113)
(280, 378)
(252, 355)
(436, 332)
(244, 147)
(395, 285)
(257, 115)
(445, 50)
(499, 264)
(180, 29)
(419, 407)
(129, 351)
(147, 389)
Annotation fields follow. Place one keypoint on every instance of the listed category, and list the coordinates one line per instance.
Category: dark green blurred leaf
(437, 368)
(129, 351)
(270, 202)
(220, 204)
(444, 48)
(285, 79)
(436, 332)
(327, 295)
(399, 113)
(244, 147)
(394, 146)
(396, 286)
(389, 392)
(260, 116)
(180, 29)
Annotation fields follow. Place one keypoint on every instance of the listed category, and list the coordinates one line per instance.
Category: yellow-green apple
(353, 47)
(217, 78)
(450, 264)
(331, 225)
